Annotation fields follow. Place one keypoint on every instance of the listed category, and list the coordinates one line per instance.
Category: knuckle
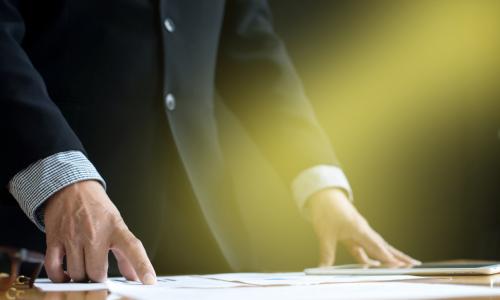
(71, 235)
(132, 241)
(52, 260)
(363, 229)
(52, 268)
(360, 221)
(137, 244)
(97, 275)
(118, 222)
(91, 236)
(72, 247)
(142, 267)
(51, 239)
(95, 244)
(356, 252)
(122, 233)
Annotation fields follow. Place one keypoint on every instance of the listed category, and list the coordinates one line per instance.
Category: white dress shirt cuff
(34, 185)
(318, 178)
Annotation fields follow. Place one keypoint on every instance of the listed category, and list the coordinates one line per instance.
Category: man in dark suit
(120, 87)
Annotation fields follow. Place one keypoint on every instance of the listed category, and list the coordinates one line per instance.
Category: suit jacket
(93, 76)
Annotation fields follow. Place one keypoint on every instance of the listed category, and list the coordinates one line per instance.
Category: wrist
(72, 191)
(329, 194)
(332, 204)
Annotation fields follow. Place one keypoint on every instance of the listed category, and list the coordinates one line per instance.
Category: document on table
(228, 280)
(163, 282)
(187, 281)
(353, 291)
(299, 278)
(251, 286)
(47, 286)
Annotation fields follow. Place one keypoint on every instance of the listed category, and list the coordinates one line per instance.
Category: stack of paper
(228, 280)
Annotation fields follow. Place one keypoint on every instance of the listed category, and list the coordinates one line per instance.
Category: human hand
(335, 219)
(83, 224)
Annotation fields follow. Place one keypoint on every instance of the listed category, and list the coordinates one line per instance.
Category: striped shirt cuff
(318, 178)
(34, 185)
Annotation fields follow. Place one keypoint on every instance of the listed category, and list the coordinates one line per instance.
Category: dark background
(430, 185)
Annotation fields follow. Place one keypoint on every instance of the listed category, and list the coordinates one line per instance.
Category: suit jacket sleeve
(257, 81)
(32, 127)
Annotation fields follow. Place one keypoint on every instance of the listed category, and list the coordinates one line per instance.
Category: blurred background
(409, 93)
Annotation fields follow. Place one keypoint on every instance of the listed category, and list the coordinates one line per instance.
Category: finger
(404, 257)
(54, 264)
(327, 250)
(376, 247)
(360, 255)
(75, 260)
(135, 253)
(96, 263)
(124, 266)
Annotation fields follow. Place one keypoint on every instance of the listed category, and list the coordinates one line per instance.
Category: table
(492, 281)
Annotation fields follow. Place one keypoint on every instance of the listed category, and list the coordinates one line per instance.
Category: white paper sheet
(47, 286)
(163, 282)
(228, 280)
(299, 278)
(353, 291)
(201, 288)
(186, 281)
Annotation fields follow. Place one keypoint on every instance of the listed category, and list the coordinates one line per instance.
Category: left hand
(335, 219)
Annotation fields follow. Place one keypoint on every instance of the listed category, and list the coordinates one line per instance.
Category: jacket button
(170, 102)
(169, 25)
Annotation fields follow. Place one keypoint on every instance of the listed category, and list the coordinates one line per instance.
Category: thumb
(327, 250)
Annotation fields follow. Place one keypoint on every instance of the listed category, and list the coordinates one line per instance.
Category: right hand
(335, 219)
(83, 224)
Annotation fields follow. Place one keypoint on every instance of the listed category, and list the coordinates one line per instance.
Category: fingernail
(375, 263)
(149, 279)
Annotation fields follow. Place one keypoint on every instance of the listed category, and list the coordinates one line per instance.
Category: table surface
(492, 281)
